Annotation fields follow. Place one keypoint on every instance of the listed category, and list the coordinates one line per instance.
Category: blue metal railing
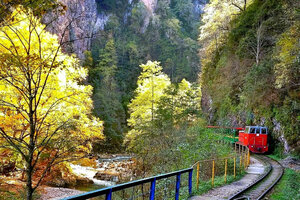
(109, 190)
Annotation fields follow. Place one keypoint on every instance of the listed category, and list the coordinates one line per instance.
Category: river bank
(90, 174)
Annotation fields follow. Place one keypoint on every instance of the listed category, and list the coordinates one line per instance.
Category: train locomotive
(254, 137)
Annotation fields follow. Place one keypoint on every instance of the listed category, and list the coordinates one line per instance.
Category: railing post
(190, 181)
(234, 160)
(177, 186)
(225, 175)
(213, 174)
(152, 189)
(108, 195)
(241, 163)
(245, 160)
(198, 172)
(248, 157)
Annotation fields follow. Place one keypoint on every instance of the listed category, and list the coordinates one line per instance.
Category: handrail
(108, 191)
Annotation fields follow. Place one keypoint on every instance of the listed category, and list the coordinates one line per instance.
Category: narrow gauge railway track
(264, 184)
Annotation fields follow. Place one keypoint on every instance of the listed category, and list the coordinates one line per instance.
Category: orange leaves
(41, 98)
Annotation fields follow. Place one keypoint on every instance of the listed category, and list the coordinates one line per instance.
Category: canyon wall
(77, 26)
(84, 18)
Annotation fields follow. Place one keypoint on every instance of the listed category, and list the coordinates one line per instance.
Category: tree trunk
(29, 170)
(29, 189)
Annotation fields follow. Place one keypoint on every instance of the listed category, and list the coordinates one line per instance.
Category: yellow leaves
(88, 162)
(151, 85)
(37, 77)
(216, 24)
(27, 39)
(149, 69)
(287, 54)
(155, 99)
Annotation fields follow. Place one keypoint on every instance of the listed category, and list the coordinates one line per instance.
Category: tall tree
(158, 114)
(151, 85)
(107, 98)
(45, 113)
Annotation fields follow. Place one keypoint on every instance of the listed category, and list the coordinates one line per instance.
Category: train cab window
(263, 131)
(252, 130)
(257, 131)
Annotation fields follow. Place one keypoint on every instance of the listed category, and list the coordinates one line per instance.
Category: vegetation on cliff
(250, 65)
(51, 104)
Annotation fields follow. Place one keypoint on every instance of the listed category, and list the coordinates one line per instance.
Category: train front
(255, 137)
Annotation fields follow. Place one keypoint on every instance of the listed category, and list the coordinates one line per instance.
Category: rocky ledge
(290, 162)
(115, 170)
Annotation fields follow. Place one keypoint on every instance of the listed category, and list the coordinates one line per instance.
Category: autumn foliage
(45, 109)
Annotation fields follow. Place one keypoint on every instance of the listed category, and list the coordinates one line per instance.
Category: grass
(205, 186)
(288, 187)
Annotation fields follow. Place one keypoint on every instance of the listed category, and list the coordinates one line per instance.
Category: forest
(145, 82)
(250, 67)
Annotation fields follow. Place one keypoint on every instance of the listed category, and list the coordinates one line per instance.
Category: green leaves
(107, 98)
(151, 85)
(250, 74)
(288, 56)
(160, 112)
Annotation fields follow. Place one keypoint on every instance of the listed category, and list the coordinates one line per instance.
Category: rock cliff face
(77, 26)
(150, 5)
(199, 6)
(81, 22)
(83, 19)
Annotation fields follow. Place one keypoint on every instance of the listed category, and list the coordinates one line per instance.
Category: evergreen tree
(107, 98)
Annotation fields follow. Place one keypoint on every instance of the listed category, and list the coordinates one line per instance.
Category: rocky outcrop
(199, 6)
(68, 181)
(280, 136)
(290, 162)
(77, 26)
(81, 22)
(150, 5)
(106, 176)
(83, 19)
(116, 171)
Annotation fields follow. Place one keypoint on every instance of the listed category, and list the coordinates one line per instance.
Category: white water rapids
(90, 172)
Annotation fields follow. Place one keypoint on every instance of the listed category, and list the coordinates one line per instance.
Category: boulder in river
(107, 176)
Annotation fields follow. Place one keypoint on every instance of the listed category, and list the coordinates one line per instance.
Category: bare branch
(237, 6)
(9, 140)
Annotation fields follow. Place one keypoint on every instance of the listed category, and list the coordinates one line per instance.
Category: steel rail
(234, 196)
(274, 183)
(263, 179)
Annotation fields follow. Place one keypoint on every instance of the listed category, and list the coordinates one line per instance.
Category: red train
(255, 137)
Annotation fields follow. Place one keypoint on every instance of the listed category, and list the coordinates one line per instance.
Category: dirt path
(51, 193)
(254, 170)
